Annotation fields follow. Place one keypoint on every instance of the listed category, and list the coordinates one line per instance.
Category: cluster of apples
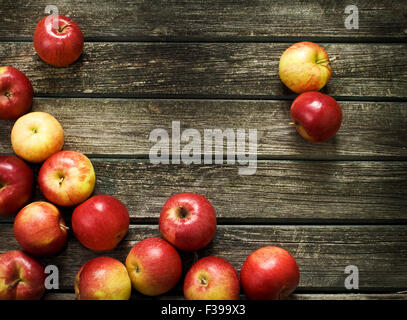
(153, 266)
(67, 179)
(58, 40)
(305, 68)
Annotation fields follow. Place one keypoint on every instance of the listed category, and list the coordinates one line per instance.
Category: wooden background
(214, 64)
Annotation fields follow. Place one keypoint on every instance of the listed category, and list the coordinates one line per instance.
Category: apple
(102, 278)
(305, 67)
(154, 266)
(101, 222)
(269, 273)
(58, 40)
(188, 221)
(40, 229)
(36, 136)
(212, 278)
(316, 116)
(16, 93)
(67, 178)
(21, 277)
(16, 184)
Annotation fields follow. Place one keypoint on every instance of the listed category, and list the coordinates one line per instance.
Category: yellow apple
(36, 136)
(305, 67)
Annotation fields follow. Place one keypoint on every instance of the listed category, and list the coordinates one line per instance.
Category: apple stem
(204, 282)
(323, 61)
(62, 226)
(14, 283)
(61, 29)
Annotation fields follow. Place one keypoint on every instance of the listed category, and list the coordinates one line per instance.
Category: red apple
(154, 266)
(40, 229)
(101, 222)
(317, 116)
(16, 93)
(59, 46)
(102, 278)
(67, 178)
(36, 136)
(16, 184)
(21, 277)
(270, 273)
(188, 221)
(212, 278)
(305, 67)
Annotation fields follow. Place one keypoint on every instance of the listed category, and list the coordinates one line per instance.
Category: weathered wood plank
(322, 252)
(279, 192)
(122, 126)
(294, 296)
(348, 296)
(229, 70)
(196, 19)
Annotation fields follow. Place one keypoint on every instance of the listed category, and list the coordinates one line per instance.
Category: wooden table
(214, 64)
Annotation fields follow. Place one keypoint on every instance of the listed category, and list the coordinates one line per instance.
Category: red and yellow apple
(316, 116)
(58, 40)
(102, 278)
(67, 178)
(21, 277)
(16, 184)
(154, 266)
(305, 67)
(16, 93)
(212, 278)
(188, 221)
(40, 229)
(36, 136)
(101, 222)
(269, 273)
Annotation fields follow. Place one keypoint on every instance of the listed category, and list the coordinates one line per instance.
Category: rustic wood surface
(216, 70)
(214, 64)
(279, 192)
(230, 20)
(322, 252)
(294, 296)
(121, 127)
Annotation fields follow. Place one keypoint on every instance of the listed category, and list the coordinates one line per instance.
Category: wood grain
(294, 296)
(215, 70)
(331, 205)
(322, 253)
(214, 20)
(280, 191)
(121, 127)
